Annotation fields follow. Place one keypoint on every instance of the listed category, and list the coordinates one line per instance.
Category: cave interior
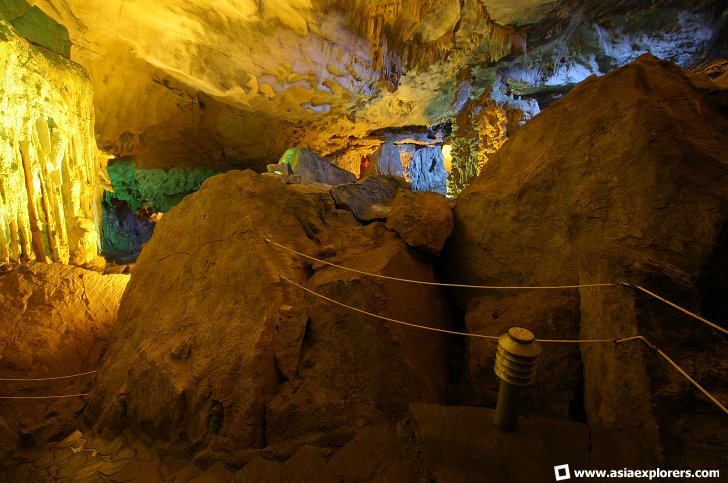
(348, 240)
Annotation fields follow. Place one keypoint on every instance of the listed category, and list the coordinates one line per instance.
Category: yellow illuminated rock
(49, 174)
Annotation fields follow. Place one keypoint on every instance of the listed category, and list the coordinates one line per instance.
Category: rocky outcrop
(54, 321)
(387, 161)
(370, 199)
(243, 82)
(440, 443)
(623, 178)
(423, 219)
(557, 391)
(426, 170)
(49, 171)
(479, 128)
(213, 349)
(308, 167)
(552, 199)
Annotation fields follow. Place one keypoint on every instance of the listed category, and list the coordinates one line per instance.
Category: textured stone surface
(387, 161)
(49, 172)
(426, 170)
(221, 83)
(448, 444)
(589, 194)
(423, 219)
(54, 321)
(550, 315)
(213, 350)
(551, 199)
(312, 168)
(36, 26)
(630, 387)
(370, 199)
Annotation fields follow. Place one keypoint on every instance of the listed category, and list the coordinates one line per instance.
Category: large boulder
(308, 167)
(423, 219)
(638, 161)
(370, 199)
(621, 179)
(55, 320)
(215, 351)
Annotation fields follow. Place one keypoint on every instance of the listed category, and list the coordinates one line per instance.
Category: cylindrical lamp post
(515, 365)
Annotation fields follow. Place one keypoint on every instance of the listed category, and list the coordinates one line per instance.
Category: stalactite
(399, 32)
(49, 171)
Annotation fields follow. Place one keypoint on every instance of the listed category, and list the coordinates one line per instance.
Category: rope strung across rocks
(44, 397)
(388, 319)
(48, 378)
(493, 337)
(674, 305)
(438, 284)
(684, 374)
(499, 287)
(435, 329)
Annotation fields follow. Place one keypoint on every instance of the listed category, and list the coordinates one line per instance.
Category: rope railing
(45, 397)
(505, 287)
(388, 319)
(435, 329)
(451, 332)
(55, 378)
(493, 337)
(439, 284)
(674, 305)
(684, 374)
(4, 379)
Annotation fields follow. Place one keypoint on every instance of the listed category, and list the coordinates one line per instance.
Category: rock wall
(54, 321)
(624, 178)
(49, 171)
(580, 176)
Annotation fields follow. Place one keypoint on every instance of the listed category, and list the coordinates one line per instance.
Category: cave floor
(441, 443)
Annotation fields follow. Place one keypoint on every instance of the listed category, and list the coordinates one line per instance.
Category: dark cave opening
(713, 282)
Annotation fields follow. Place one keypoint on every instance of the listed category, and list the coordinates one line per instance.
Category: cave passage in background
(138, 199)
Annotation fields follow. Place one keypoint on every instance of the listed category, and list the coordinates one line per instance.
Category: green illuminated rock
(37, 27)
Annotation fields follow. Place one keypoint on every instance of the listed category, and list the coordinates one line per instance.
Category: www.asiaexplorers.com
(563, 472)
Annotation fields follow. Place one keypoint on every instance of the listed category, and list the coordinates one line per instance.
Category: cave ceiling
(236, 82)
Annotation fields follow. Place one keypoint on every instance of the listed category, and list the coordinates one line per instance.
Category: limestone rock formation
(49, 171)
(308, 167)
(426, 170)
(446, 443)
(616, 168)
(387, 161)
(213, 349)
(54, 321)
(236, 83)
(586, 193)
(557, 392)
(423, 219)
(370, 199)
